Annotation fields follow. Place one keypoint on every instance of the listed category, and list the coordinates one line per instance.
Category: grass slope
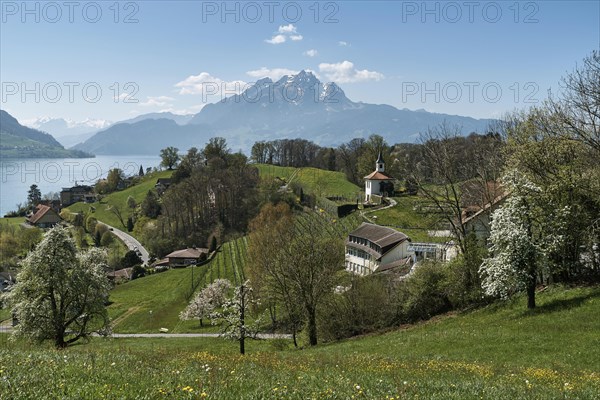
(155, 301)
(500, 352)
(313, 180)
(119, 199)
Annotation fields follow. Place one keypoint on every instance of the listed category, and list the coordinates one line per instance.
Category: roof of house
(41, 210)
(78, 188)
(121, 273)
(403, 262)
(378, 176)
(187, 253)
(380, 159)
(380, 235)
(486, 208)
(163, 181)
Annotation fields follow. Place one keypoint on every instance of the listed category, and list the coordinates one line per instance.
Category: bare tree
(578, 105)
(456, 172)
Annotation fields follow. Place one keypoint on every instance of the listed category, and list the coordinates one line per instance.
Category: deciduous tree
(60, 294)
(169, 157)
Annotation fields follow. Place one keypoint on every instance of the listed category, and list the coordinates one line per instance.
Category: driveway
(131, 242)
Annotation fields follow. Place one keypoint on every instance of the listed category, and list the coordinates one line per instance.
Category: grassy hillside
(314, 180)
(119, 199)
(154, 302)
(500, 352)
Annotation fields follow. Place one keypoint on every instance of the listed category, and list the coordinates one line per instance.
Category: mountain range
(70, 133)
(295, 106)
(19, 141)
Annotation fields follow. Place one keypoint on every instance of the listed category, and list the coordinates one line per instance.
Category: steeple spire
(380, 164)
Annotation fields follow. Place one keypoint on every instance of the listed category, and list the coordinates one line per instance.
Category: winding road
(131, 242)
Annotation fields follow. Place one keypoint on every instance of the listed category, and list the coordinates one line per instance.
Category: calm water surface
(52, 174)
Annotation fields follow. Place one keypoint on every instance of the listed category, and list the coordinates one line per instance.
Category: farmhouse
(378, 182)
(373, 248)
(43, 217)
(185, 257)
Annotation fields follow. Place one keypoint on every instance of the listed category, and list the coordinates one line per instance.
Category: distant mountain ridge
(295, 106)
(20, 141)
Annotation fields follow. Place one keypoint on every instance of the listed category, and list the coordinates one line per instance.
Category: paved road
(194, 335)
(130, 242)
(6, 327)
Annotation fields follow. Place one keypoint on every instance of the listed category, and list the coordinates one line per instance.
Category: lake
(52, 174)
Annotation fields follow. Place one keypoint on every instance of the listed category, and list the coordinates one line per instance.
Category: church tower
(380, 164)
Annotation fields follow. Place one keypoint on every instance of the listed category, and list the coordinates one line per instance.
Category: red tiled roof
(378, 176)
(41, 210)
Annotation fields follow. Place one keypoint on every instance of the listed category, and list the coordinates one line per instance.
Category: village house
(373, 248)
(184, 257)
(76, 194)
(43, 217)
(378, 183)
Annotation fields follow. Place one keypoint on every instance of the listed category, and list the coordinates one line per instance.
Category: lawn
(119, 199)
(12, 221)
(499, 352)
(406, 218)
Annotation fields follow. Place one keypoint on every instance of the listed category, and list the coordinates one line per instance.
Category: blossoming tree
(60, 293)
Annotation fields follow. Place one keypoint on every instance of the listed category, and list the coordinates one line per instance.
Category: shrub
(364, 307)
(423, 294)
(130, 259)
(138, 272)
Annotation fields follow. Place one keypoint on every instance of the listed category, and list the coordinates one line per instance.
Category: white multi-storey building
(373, 248)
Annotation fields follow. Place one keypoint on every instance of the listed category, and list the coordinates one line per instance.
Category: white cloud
(311, 53)
(206, 84)
(284, 33)
(344, 72)
(157, 101)
(343, 44)
(287, 29)
(274, 73)
(277, 39)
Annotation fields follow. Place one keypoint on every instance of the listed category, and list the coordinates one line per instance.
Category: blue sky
(479, 59)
